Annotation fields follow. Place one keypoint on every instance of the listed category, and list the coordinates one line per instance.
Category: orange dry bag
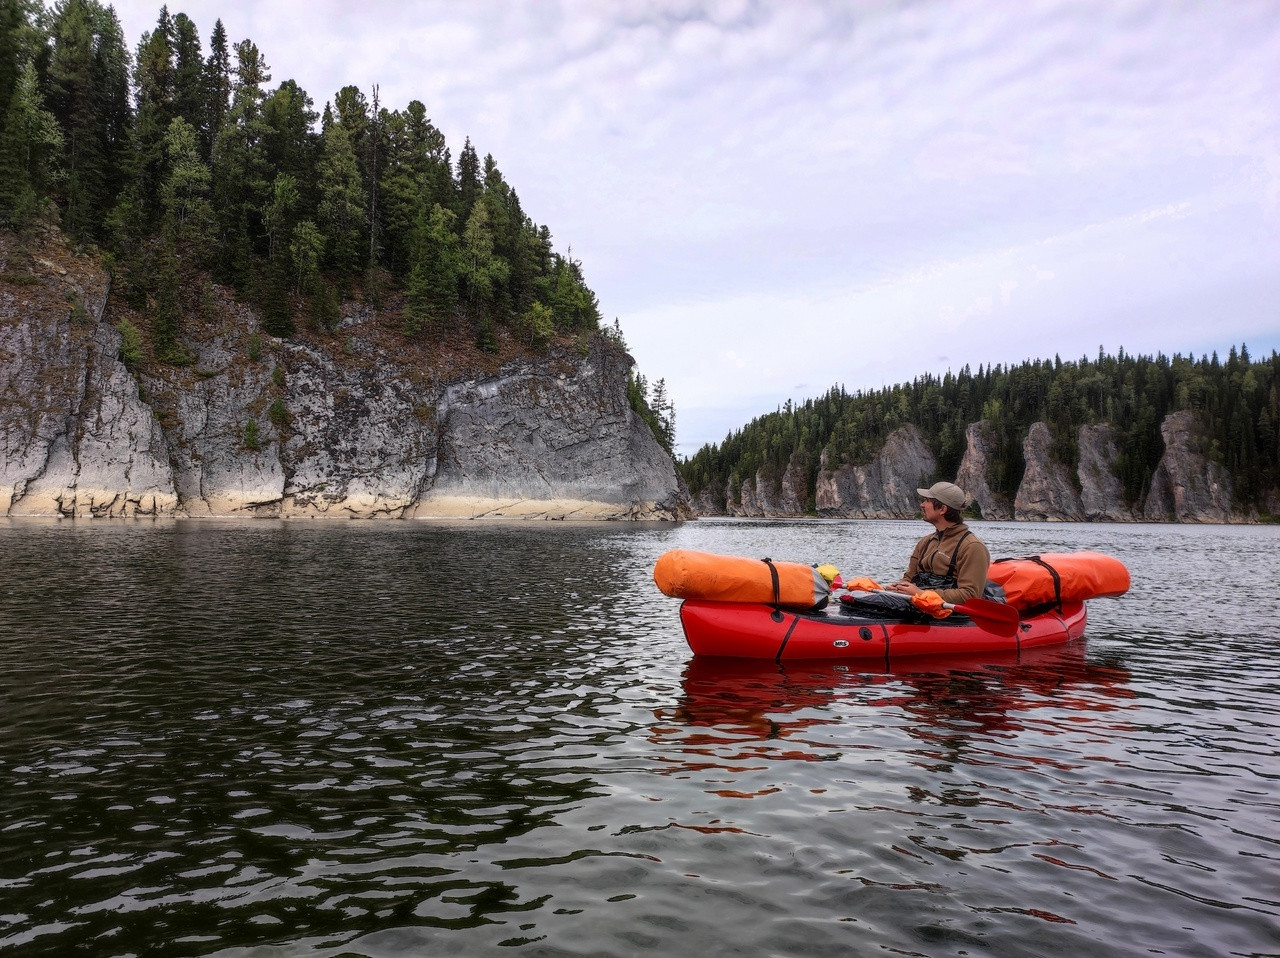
(685, 574)
(1052, 578)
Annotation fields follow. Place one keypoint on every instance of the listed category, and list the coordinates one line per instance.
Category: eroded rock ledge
(343, 426)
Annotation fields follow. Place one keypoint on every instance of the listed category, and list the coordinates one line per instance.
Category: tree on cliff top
(368, 182)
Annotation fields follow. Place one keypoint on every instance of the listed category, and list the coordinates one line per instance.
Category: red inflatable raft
(761, 609)
(755, 631)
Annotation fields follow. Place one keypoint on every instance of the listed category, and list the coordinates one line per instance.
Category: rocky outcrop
(545, 433)
(1187, 486)
(768, 496)
(76, 437)
(351, 427)
(1046, 491)
(1101, 492)
(711, 502)
(885, 487)
(980, 443)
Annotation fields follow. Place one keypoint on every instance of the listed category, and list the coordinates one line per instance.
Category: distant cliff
(361, 424)
(1186, 487)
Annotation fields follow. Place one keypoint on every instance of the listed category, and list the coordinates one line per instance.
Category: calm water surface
(395, 739)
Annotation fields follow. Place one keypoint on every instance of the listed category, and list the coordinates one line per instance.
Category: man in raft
(951, 561)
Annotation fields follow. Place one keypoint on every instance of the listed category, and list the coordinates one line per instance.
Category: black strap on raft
(795, 620)
(777, 589)
(1057, 584)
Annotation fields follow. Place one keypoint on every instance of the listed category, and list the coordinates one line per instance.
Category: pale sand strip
(226, 505)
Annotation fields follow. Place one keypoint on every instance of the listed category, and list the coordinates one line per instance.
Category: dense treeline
(1237, 401)
(177, 161)
(182, 163)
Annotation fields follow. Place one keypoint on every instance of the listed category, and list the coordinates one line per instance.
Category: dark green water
(407, 739)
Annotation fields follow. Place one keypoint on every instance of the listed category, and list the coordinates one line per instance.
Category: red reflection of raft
(755, 631)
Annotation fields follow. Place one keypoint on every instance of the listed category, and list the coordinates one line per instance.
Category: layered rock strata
(254, 426)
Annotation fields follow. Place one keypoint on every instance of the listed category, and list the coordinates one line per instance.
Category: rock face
(1101, 493)
(708, 503)
(885, 487)
(1046, 491)
(763, 496)
(77, 439)
(255, 426)
(1186, 486)
(546, 434)
(980, 442)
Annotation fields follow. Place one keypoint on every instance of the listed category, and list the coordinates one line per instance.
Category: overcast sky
(773, 198)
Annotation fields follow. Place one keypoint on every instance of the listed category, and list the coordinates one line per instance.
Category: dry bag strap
(777, 590)
(773, 574)
(1053, 573)
(1057, 582)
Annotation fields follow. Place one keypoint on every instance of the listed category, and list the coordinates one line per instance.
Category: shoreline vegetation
(1228, 409)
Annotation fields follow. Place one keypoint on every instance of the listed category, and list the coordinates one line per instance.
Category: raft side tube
(748, 630)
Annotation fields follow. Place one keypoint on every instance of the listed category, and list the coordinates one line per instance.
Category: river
(414, 739)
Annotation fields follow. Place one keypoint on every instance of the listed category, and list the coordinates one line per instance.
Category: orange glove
(863, 584)
(930, 602)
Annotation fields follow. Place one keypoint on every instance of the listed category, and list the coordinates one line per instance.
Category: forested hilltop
(185, 168)
(1233, 406)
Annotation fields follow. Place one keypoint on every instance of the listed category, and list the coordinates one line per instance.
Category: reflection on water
(966, 695)
(406, 739)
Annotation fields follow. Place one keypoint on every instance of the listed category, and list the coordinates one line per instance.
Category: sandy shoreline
(100, 504)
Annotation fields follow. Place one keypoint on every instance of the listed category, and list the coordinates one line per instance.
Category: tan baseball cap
(948, 493)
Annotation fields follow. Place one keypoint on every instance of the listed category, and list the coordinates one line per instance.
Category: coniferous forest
(1237, 402)
(182, 164)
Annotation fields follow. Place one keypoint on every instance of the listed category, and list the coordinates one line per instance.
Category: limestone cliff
(883, 488)
(767, 496)
(1101, 492)
(973, 477)
(358, 425)
(1046, 491)
(1187, 487)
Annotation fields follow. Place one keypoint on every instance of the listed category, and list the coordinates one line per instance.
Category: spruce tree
(341, 204)
(215, 86)
(89, 95)
(184, 194)
(240, 170)
(29, 151)
(468, 186)
(188, 72)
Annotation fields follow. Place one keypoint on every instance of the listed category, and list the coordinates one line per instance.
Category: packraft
(754, 630)
(760, 609)
(1049, 579)
(688, 574)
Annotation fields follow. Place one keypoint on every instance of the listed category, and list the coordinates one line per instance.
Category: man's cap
(948, 493)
